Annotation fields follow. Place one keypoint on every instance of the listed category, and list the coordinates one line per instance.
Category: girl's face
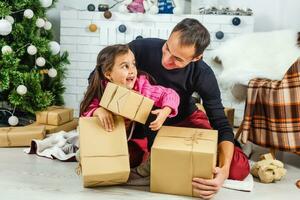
(124, 71)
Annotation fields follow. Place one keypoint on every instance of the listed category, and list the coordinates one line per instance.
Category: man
(177, 63)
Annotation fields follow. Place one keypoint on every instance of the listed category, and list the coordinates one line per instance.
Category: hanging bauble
(28, 13)
(6, 49)
(54, 47)
(31, 50)
(122, 28)
(91, 7)
(46, 3)
(21, 89)
(52, 72)
(107, 14)
(5, 27)
(40, 61)
(40, 23)
(47, 25)
(13, 120)
(93, 27)
(10, 19)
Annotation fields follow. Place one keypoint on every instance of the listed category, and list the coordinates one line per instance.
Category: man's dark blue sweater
(195, 77)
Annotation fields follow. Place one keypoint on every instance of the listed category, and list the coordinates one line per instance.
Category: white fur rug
(256, 55)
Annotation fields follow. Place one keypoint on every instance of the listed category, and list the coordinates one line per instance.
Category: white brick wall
(84, 46)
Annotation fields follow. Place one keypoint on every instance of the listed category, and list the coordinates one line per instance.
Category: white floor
(30, 177)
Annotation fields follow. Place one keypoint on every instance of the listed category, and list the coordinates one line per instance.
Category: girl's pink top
(162, 97)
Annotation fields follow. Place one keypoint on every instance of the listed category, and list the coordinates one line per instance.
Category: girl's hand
(162, 115)
(105, 117)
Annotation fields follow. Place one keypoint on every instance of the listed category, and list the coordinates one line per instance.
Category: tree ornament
(54, 47)
(31, 50)
(91, 7)
(47, 25)
(13, 120)
(52, 72)
(46, 3)
(107, 14)
(21, 89)
(10, 19)
(93, 27)
(122, 28)
(40, 23)
(40, 61)
(5, 27)
(6, 49)
(28, 13)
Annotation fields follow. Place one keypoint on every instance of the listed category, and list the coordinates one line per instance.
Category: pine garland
(19, 68)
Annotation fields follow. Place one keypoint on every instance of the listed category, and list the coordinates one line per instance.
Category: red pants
(239, 168)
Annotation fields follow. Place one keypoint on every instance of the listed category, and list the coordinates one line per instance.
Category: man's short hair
(193, 33)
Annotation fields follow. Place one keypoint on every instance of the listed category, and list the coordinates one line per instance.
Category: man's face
(175, 55)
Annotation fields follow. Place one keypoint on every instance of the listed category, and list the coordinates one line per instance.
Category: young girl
(116, 63)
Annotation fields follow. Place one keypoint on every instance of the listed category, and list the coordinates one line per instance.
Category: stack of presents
(177, 153)
(52, 120)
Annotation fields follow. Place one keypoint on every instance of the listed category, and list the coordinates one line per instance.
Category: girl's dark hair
(193, 33)
(105, 62)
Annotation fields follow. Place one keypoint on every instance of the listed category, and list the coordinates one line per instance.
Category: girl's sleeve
(91, 109)
(163, 97)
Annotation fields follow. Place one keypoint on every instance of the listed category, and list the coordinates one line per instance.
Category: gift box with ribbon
(55, 115)
(126, 103)
(69, 126)
(20, 136)
(180, 154)
(104, 155)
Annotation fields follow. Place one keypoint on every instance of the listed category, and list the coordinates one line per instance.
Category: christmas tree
(31, 65)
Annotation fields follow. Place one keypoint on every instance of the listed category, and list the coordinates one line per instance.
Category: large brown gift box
(180, 154)
(20, 136)
(229, 113)
(104, 155)
(55, 115)
(126, 103)
(69, 126)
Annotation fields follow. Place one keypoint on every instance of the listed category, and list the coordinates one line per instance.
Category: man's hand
(207, 188)
(162, 115)
(105, 117)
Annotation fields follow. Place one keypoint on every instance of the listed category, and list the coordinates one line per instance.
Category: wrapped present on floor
(69, 126)
(229, 113)
(55, 115)
(20, 136)
(104, 155)
(126, 103)
(180, 154)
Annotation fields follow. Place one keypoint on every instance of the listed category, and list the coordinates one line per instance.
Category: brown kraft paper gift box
(20, 136)
(55, 115)
(180, 154)
(104, 155)
(229, 113)
(126, 103)
(63, 127)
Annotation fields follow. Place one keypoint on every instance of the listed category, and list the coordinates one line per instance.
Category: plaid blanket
(272, 112)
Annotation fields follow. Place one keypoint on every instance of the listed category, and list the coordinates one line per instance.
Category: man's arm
(208, 89)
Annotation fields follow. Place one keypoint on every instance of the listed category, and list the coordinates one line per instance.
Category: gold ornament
(93, 27)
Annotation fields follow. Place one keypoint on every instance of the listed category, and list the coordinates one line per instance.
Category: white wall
(269, 14)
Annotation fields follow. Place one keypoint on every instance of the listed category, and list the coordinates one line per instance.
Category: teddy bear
(147, 6)
(139, 6)
(268, 170)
